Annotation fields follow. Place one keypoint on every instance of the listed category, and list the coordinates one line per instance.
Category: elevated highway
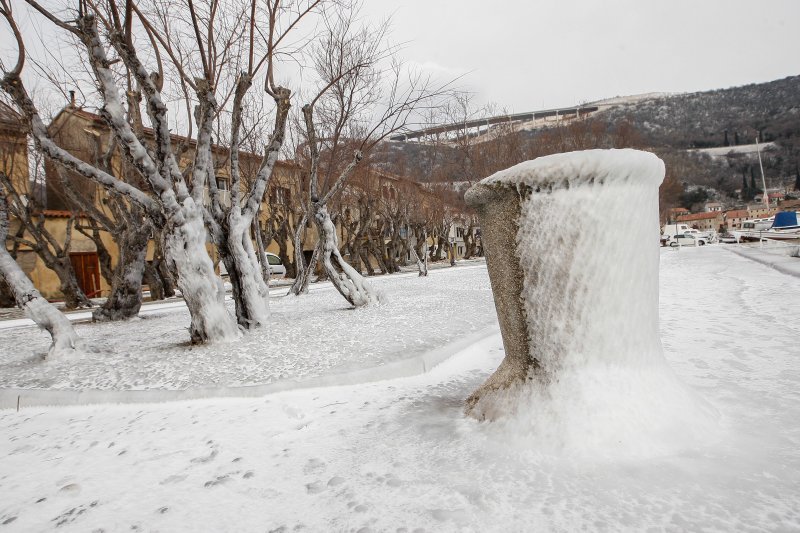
(562, 112)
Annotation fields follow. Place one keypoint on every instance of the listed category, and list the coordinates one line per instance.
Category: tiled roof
(699, 216)
(737, 213)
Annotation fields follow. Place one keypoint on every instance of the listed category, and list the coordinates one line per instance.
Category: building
(674, 212)
(735, 217)
(789, 205)
(88, 137)
(703, 221)
(759, 210)
(713, 207)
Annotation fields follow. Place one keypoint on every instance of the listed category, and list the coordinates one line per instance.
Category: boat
(783, 226)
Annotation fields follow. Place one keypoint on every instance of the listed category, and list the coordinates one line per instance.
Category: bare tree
(34, 233)
(168, 202)
(64, 338)
(203, 67)
(357, 110)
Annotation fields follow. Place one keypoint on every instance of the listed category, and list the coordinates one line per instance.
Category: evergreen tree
(745, 189)
(796, 177)
(726, 142)
(736, 138)
(753, 188)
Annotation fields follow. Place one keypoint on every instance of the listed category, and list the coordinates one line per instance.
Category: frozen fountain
(571, 244)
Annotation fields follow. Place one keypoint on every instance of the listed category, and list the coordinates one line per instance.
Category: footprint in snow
(315, 487)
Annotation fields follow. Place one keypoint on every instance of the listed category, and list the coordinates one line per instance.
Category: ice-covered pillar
(571, 242)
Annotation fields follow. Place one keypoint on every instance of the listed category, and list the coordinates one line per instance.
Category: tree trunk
(125, 299)
(166, 278)
(350, 284)
(421, 266)
(260, 253)
(47, 317)
(74, 297)
(300, 285)
(153, 280)
(250, 293)
(301, 282)
(6, 294)
(203, 291)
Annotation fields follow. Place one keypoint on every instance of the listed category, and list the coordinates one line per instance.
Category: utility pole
(765, 196)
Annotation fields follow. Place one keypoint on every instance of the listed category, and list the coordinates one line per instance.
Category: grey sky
(527, 55)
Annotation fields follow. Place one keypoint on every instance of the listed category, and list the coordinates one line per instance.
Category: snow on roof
(584, 167)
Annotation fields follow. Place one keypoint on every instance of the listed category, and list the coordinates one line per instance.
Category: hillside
(700, 120)
(705, 138)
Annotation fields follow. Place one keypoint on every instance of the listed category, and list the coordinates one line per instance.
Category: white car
(687, 240)
(276, 267)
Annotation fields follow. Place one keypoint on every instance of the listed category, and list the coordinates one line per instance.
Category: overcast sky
(526, 55)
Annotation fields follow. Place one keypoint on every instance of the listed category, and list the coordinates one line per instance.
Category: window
(273, 259)
(279, 196)
(222, 183)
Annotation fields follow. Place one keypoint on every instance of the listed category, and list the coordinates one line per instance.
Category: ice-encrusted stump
(571, 247)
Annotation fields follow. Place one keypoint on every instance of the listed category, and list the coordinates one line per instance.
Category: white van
(670, 230)
(276, 268)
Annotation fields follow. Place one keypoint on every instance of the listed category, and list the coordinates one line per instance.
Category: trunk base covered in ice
(571, 247)
(349, 282)
(203, 291)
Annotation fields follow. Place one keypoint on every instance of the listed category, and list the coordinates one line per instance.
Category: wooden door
(87, 270)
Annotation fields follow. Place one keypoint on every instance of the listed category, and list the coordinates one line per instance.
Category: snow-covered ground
(308, 336)
(398, 455)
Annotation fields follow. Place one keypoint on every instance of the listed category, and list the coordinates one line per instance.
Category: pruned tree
(230, 44)
(354, 110)
(167, 200)
(35, 234)
(64, 339)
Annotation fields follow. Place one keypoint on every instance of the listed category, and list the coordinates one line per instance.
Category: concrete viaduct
(565, 112)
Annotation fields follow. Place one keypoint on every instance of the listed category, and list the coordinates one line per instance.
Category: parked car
(276, 267)
(687, 240)
(707, 236)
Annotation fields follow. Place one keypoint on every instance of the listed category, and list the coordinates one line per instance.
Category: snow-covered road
(398, 455)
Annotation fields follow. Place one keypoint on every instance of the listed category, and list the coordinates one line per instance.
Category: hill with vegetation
(703, 137)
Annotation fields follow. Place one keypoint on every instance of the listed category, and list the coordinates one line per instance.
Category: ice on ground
(400, 456)
(308, 336)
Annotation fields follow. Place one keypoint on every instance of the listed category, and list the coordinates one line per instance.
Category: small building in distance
(735, 217)
(760, 210)
(703, 221)
(674, 212)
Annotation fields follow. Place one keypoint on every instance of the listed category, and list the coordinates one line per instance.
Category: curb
(772, 261)
(22, 398)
